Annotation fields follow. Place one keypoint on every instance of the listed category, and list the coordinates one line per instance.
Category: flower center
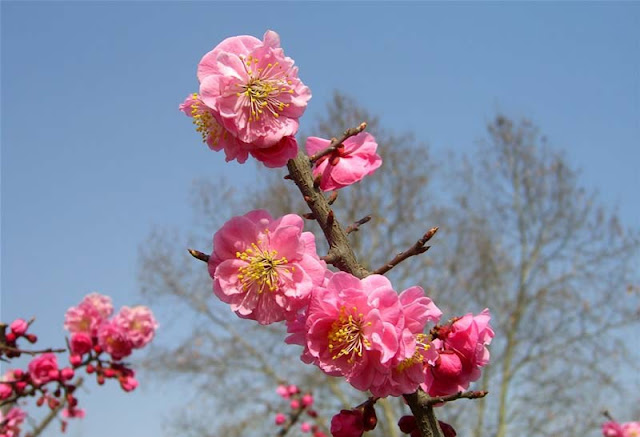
(417, 356)
(262, 269)
(346, 336)
(263, 89)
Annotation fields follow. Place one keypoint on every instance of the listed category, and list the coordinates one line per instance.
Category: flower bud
(19, 327)
(66, 373)
(280, 419)
(407, 424)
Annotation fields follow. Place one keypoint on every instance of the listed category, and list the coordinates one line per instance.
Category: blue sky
(94, 151)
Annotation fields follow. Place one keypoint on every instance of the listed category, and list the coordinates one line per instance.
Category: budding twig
(460, 395)
(199, 255)
(336, 142)
(354, 227)
(418, 248)
(332, 198)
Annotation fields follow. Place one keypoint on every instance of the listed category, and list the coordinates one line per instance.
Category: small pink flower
(348, 164)
(612, 429)
(81, 343)
(305, 427)
(277, 155)
(11, 421)
(265, 268)
(347, 423)
(19, 327)
(43, 368)
(253, 88)
(280, 419)
(462, 352)
(138, 323)
(114, 340)
(631, 429)
(82, 319)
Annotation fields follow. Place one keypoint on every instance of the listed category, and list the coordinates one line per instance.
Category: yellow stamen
(346, 335)
(262, 269)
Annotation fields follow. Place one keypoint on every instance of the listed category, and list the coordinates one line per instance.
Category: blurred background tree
(518, 234)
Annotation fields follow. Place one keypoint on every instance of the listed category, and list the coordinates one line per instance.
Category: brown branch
(199, 255)
(4, 347)
(418, 248)
(336, 142)
(459, 395)
(423, 412)
(354, 227)
(340, 253)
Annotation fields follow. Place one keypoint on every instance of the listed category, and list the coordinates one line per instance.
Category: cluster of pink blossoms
(615, 429)
(361, 329)
(92, 330)
(250, 100)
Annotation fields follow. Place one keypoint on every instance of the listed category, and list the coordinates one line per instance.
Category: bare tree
(517, 235)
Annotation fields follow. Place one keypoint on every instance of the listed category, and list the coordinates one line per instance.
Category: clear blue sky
(94, 151)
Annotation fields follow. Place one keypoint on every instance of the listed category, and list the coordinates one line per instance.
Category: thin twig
(4, 347)
(199, 255)
(336, 142)
(418, 248)
(354, 227)
(459, 395)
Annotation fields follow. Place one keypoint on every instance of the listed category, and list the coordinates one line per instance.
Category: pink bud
(75, 360)
(19, 327)
(66, 373)
(282, 391)
(295, 404)
(54, 374)
(307, 400)
(32, 338)
(280, 419)
(128, 383)
(81, 343)
(10, 337)
(305, 427)
(18, 373)
(293, 389)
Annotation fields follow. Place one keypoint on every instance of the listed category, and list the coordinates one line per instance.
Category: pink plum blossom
(353, 327)
(462, 351)
(114, 340)
(87, 317)
(43, 368)
(138, 323)
(348, 164)
(6, 389)
(253, 88)
(265, 268)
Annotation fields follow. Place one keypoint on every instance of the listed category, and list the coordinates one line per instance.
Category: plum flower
(348, 164)
(253, 88)
(353, 327)
(114, 339)
(43, 368)
(265, 268)
(138, 323)
(87, 317)
(462, 351)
